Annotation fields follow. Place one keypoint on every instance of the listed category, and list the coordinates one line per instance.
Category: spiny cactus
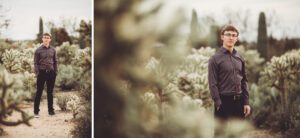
(29, 83)
(11, 60)
(41, 31)
(281, 72)
(68, 77)
(16, 61)
(190, 76)
(262, 37)
(194, 37)
(66, 53)
(73, 104)
(11, 95)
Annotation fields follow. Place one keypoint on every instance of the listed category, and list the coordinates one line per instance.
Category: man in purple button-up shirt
(45, 65)
(227, 78)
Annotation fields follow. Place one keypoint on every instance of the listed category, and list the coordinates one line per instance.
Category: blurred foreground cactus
(11, 96)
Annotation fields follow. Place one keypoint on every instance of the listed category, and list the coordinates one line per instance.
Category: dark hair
(229, 28)
(47, 34)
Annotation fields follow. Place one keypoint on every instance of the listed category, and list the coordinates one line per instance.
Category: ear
(222, 37)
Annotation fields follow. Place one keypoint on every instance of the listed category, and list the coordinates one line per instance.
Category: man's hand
(36, 74)
(247, 110)
(218, 108)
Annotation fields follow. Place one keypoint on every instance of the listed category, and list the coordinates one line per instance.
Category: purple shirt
(227, 75)
(45, 59)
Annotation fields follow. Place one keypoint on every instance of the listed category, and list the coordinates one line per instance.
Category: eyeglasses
(232, 35)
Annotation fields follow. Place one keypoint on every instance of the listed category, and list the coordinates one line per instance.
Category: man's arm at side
(212, 82)
(244, 84)
(35, 61)
(55, 61)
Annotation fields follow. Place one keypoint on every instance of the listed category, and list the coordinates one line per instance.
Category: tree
(4, 22)
(59, 36)
(85, 34)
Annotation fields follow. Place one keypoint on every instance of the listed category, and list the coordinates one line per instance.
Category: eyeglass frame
(230, 34)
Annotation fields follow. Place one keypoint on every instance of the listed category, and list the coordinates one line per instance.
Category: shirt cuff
(246, 101)
(218, 102)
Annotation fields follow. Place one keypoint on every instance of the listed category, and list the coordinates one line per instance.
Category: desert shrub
(73, 104)
(62, 101)
(83, 121)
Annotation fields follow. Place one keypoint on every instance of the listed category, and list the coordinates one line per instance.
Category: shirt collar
(45, 46)
(225, 51)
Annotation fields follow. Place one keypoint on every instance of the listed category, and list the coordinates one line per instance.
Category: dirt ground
(57, 126)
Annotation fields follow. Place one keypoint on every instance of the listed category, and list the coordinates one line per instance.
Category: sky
(285, 13)
(24, 15)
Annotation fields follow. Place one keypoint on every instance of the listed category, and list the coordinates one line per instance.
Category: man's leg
(50, 85)
(40, 82)
(239, 108)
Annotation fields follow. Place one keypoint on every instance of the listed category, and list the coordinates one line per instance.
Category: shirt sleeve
(212, 81)
(36, 60)
(55, 61)
(244, 85)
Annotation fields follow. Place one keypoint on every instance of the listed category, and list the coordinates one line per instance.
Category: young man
(45, 66)
(227, 78)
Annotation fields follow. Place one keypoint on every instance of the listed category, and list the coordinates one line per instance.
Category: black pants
(49, 78)
(232, 107)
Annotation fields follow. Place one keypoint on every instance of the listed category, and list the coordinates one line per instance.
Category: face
(229, 38)
(46, 40)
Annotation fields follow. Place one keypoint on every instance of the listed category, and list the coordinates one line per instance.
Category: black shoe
(52, 113)
(36, 115)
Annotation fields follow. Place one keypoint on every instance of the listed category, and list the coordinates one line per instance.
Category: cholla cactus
(68, 76)
(18, 60)
(11, 95)
(29, 83)
(281, 72)
(66, 53)
(27, 60)
(83, 58)
(73, 104)
(11, 60)
(190, 75)
(3, 46)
